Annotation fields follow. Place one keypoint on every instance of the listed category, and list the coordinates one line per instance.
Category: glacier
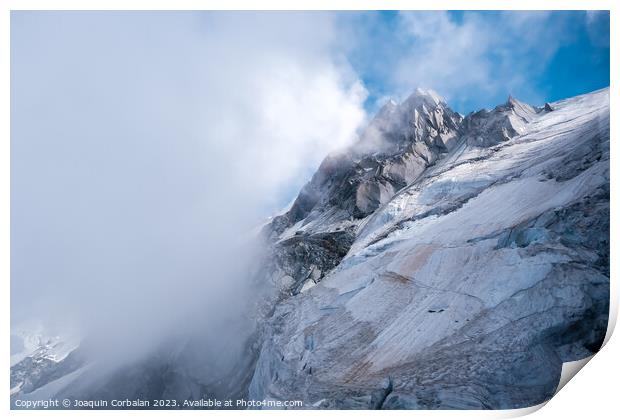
(478, 260)
(441, 262)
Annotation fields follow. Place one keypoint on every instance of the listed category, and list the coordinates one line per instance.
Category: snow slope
(469, 286)
(441, 262)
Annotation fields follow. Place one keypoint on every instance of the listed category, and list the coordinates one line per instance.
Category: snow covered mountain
(440, 262)
(37, 358)
(456, 264)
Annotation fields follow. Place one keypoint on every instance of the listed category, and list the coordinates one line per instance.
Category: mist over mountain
(441, 261)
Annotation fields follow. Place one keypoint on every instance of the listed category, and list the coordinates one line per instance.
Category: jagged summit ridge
(457, 264)
(417, 97)
(423, 116)
(487, 128)
(466, 285)
(400, 142)
(425, 95)
(396, 147)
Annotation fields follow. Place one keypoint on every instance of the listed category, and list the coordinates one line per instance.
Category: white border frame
(593, 394)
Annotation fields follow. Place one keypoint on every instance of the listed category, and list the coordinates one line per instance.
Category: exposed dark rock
(310, 257)
(441, 262)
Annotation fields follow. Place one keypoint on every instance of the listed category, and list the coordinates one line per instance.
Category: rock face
(441, 262)
(399, 143)
(480, 260)
(38, 359)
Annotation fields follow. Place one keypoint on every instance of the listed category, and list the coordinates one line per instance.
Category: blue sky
(535, 56)
(142, 143)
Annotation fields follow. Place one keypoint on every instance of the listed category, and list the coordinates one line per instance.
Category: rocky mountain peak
(395, 148)
(487, 128)
(426, 96)
(423, 117)
(417, 276)
(485, 259)
(520, 108)
(398, 147)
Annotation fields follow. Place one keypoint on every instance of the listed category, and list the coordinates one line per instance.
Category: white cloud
(476, 55)
(144, 144)
(445, 55)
